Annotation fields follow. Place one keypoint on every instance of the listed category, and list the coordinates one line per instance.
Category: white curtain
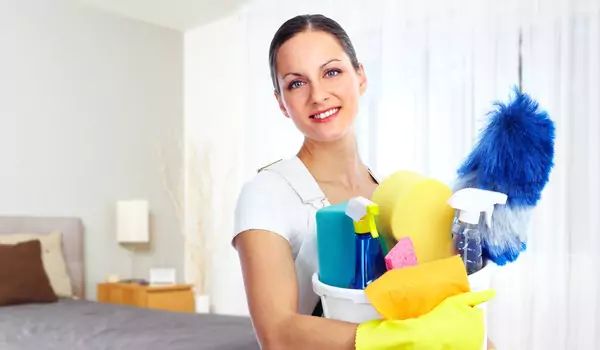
(556, 292)
(435, 68)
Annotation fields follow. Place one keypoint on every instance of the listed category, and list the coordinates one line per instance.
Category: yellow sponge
(412, 205)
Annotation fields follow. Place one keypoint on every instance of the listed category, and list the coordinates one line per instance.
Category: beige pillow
(52, 257)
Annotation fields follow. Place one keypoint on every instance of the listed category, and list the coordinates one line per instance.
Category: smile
(326, 114)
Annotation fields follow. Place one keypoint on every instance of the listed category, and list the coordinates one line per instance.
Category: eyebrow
(321, 66)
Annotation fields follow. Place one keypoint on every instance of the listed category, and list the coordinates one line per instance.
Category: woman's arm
(272, 291)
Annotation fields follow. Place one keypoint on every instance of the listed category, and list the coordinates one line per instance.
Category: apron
(309, 191)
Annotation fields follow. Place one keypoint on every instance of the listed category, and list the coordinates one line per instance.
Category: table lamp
(133, 226)
(133, 221)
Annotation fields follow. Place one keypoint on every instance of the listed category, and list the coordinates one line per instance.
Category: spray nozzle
(472, 201)
(362, 211)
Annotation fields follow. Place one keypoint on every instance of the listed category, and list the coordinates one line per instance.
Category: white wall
(87, 99)
(214, 118)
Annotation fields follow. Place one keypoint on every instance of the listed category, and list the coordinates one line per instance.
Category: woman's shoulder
(269, 201)
(289, 175)
(272, 178)
(275, 184)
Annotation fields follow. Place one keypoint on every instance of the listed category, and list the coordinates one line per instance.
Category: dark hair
(303, 23)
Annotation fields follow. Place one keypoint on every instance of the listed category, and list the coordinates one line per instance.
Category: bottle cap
(362, 211)
(472, 201)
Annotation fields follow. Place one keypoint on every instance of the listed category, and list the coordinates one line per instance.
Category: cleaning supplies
(370, 263)
(402, 255)
(415, 206)
(335, 245)
(454, 324)
(413, 291)
(466, 231)
(514, 155)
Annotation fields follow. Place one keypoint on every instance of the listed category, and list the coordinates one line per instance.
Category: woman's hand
(272, 291)
(456, 323)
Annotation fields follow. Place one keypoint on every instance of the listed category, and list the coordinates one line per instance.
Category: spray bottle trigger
(373, 229)
(488, 216)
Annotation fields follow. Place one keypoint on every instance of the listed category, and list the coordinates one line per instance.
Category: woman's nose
(318, 93)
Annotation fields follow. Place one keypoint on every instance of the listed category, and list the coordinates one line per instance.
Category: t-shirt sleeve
(267, 202)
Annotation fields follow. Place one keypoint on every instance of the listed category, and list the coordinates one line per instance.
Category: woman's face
(319, 87)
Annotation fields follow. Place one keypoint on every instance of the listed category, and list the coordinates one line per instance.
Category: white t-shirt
(284, 198)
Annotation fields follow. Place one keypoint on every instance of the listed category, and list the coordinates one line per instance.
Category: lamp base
(202, 302)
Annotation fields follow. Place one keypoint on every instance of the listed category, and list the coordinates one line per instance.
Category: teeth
(326, 114)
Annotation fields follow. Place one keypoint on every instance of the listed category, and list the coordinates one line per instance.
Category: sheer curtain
(435, 67)
(556, 294)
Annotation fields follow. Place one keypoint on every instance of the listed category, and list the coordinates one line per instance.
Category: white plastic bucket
(352, 305)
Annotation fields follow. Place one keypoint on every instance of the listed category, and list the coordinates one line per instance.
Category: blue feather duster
(514, 155)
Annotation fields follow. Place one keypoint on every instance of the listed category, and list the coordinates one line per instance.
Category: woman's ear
(362, 79)
(281, 104)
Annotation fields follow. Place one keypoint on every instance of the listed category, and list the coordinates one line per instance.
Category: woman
(318, 82)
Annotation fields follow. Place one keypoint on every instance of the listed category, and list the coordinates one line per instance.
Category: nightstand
(178, 297)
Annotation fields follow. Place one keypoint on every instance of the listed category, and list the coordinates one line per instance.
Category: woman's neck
(334, 162)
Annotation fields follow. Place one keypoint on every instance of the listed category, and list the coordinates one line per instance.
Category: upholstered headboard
(72, 240)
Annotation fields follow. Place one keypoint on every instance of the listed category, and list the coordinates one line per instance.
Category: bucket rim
(358, 296)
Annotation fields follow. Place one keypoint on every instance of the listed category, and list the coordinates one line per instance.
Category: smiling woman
(317, 78)
(318, 82)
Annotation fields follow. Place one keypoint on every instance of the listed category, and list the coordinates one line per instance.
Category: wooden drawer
(178, 298)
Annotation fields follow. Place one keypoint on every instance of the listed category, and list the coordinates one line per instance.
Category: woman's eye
(332, 72)
(295, 84)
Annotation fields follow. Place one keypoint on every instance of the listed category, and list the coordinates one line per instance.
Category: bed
(76, 323)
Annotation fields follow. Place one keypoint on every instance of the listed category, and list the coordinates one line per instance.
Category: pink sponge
(402, 255)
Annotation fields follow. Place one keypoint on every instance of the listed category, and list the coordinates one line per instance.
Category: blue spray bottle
(370, 263)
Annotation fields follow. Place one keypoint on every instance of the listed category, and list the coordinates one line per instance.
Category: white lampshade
(132, 221)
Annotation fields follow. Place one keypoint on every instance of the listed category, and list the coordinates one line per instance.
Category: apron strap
(300, 179)
(306, 187)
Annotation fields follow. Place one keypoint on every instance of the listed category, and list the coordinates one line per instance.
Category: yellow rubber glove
(455, 324)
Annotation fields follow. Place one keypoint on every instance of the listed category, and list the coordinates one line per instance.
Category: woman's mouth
(325, 115)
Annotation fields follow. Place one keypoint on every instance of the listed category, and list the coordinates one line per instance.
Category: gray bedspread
(71, 324)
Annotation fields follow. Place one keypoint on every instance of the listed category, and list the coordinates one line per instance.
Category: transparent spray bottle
(466, 230)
